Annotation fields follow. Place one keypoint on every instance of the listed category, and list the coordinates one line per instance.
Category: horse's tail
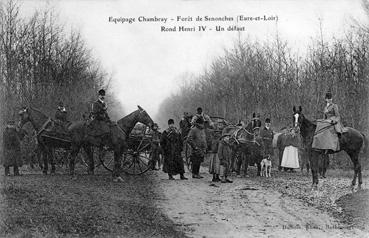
(364, 146)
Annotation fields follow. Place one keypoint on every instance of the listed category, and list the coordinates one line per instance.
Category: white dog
(266, 167)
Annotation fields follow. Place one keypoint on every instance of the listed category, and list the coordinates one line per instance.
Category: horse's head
(298, 117)
(144, 117)
(24, 116)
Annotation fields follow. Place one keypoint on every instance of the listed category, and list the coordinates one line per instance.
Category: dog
(266, 167)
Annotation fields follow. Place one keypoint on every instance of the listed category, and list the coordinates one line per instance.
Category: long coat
(171, 143)
(197, 140)
(267, 138)
(99, 111)
(331, 113)
(11, 147)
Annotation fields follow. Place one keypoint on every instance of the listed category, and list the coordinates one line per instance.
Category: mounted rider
(101, 121)
(61, 116)
(329, 130)
(205, 118)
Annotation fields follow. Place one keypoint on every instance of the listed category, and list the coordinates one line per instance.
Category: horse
(46, 139)
(352, 142)
(115, 141)
(246, 145)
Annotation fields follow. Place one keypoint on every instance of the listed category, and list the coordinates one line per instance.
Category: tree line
(270, 78)
(41, 63)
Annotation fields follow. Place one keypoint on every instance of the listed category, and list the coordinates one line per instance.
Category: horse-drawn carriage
(58, 145)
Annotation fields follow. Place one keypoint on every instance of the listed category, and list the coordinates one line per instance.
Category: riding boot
(7, 171)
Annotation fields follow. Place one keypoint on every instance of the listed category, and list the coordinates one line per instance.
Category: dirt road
(244, 209)
(150, 205)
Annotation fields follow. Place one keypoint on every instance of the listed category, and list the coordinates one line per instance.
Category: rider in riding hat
(331, 113)
(61, 113)
(206, 118)
(99, 108)
(101, 120)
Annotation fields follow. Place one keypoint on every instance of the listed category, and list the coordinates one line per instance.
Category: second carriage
(137, 157)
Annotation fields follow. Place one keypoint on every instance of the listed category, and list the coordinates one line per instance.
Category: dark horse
(246, 146)
(46, 139)
(351, 142)
(115, 141)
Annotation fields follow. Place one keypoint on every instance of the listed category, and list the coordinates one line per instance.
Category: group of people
(170, 143)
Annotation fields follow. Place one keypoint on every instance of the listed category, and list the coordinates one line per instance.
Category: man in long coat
(11, 149)
(266, 135)
(197, 140)
(155, 147)
(171, 143)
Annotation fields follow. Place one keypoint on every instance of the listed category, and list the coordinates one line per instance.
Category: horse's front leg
(90, 156)
(45, 161)
(118, 152)
(52, 160)
(73, 155)
(314, 162)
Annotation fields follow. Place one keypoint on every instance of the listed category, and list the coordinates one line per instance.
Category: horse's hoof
(118, 179)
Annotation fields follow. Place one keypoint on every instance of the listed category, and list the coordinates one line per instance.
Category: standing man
(197, 140)
(11, 149)
(171, 143)
(266, 135)
(224, 154)
(155, 147)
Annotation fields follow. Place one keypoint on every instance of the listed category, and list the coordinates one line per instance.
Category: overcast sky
(146, 63)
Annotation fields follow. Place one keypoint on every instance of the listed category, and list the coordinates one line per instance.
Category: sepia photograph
(184, 118)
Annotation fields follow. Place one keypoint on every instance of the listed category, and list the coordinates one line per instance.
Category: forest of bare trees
(270, 79)
(41, 63)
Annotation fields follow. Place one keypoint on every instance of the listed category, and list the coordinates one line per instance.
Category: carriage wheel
(101, 157)
(137, 161)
